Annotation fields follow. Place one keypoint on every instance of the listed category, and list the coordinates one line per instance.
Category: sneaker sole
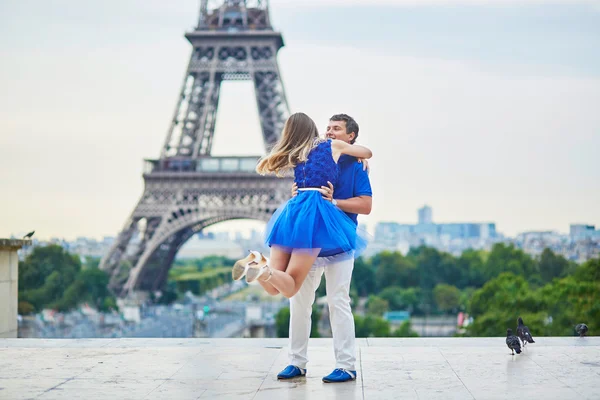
(281, 378)
(328, 381)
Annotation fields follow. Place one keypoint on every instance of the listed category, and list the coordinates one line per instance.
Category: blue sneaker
(291, 371)
(340, 375)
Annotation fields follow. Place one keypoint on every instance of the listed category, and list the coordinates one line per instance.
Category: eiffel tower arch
(187, 189)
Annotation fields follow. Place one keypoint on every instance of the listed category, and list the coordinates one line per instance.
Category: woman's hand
(365, 164)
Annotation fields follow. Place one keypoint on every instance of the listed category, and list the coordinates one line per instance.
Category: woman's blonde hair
(297, 140)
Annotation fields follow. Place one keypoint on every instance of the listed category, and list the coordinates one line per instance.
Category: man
(353, 195)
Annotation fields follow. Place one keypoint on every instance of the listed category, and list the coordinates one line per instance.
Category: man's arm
(356, 205)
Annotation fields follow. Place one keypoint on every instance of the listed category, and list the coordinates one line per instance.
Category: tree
(507, 258)
(472, 265)
(371, 326)
(363, 277)
(447, 297)
(569, 301)
(376, 305)
(45, 275)
(497, 305)
(50, 277)
(42, 262)
(402, 299)
(393, 269)
(405, 330)
(282, 322)
(90, 286)
(552, 266)
(435, 267)
(588, 271)
(465, 297)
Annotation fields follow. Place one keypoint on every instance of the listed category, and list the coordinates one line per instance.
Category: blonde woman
(307, 224)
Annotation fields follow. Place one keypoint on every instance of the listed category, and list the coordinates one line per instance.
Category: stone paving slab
(388, 368)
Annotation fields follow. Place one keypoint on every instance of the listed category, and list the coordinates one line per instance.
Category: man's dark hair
(351, 125)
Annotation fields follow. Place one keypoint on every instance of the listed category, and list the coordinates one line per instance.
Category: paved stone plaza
(388, 368)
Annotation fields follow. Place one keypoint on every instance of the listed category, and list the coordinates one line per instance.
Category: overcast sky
(487, 110)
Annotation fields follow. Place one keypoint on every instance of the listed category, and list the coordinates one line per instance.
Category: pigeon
(513, 342)
(29, 235)
(523, 333)
(581, 329)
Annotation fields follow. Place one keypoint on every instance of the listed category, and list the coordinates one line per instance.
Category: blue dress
(308, 221)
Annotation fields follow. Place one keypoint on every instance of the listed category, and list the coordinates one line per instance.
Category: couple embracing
(315, 232)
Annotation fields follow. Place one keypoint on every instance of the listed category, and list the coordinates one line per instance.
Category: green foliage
(199, 264)
(570, 301)
(465, 297)
(196, 275)
(37, 269)
(91, 262)
(589, 271)
(472, 264)
(315, 317)
(400, 299)
(435, 267)
(90, 286)
(376, 305)
(447, 297)
(371, 326)
(363, 277)
(553, 266)
(50, 277)
(507, 258)
(321, 290)
(25, 308)
(405, 330)
(168, 295)
(282, 322)
(393, 269)
(200, 282)
(551, 310)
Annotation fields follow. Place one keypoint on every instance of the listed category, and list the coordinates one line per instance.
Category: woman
(307, 224)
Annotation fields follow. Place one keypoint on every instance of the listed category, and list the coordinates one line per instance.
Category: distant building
(451, 237)
(425, 215)
(581, 231)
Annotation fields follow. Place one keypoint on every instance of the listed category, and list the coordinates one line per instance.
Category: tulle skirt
(308, 222)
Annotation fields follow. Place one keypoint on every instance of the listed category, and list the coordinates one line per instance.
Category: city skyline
(491, 122)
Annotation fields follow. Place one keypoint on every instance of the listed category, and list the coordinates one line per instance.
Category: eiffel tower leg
(113, 261)
(193, 125)
(272, 104)
(159, 250)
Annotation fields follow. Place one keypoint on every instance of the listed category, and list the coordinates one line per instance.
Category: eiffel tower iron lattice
(187, 189)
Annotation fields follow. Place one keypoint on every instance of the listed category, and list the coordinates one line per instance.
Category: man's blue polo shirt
(353, 182)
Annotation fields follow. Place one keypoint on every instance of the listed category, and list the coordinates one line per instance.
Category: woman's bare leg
(289, 280)
(279, 261)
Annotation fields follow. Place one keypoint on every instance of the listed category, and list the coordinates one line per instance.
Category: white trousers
(338, 274)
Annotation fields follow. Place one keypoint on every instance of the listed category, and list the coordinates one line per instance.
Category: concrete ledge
(388, 368)
(13, 244)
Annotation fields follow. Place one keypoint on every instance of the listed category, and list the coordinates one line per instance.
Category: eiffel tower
(187, 189)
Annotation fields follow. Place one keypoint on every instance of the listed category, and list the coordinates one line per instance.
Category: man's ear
(352, 136)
